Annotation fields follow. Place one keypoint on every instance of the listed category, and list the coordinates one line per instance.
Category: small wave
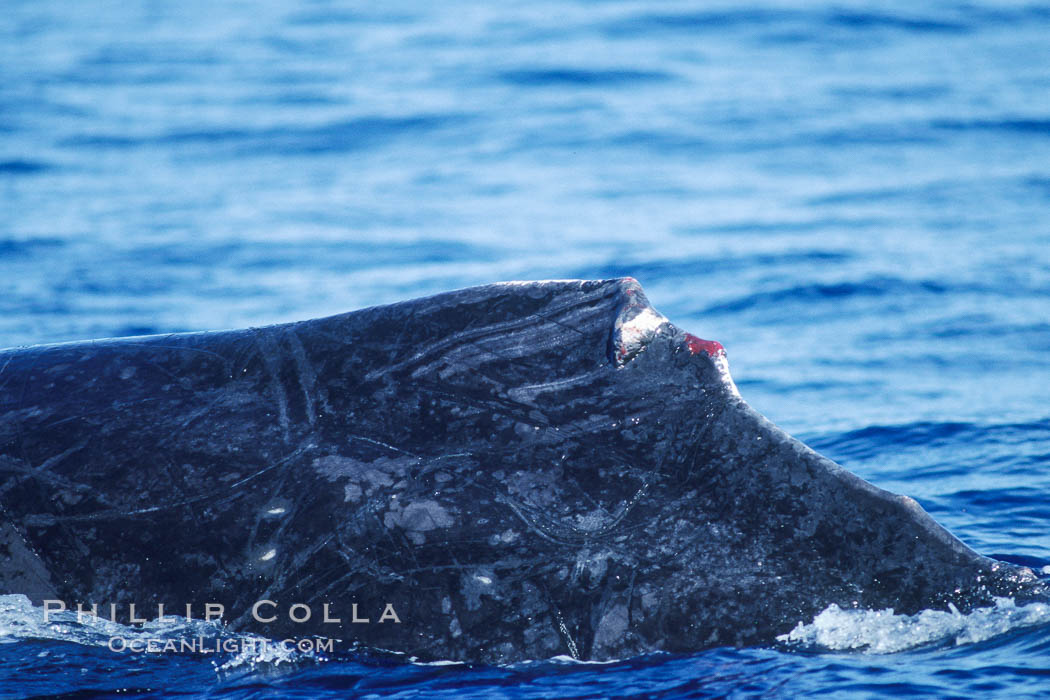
(10, 247)
(860, 20)
(1039, 126)
(578, 77)
(885, 632)
(704, 20)
(22, 167)
(335, 137)
(874, 440)
(843, 20)
(807, 293)
(676, 268)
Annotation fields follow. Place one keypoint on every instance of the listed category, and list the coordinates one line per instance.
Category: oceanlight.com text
(236, 645)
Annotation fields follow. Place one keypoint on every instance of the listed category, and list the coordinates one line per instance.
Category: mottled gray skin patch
(417, 518)
(612, 627)
(476, 583)
(516, 468)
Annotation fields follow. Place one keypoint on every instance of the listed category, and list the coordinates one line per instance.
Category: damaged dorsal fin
(636, 324)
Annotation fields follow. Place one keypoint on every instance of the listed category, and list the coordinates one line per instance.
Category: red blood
(697, 345)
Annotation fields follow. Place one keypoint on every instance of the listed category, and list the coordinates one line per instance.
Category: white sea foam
(884, 632)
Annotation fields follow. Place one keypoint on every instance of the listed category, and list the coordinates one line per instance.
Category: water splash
(885, 632)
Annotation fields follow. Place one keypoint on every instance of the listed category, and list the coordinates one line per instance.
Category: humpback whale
(506, 472)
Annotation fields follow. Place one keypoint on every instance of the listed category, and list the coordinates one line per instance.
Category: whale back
(517, 471)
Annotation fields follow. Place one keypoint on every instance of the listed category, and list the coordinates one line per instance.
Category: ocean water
(854, 198)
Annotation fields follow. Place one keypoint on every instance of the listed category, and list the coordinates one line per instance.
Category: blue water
(854, 198)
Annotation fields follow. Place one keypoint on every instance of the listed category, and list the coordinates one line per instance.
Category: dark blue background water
(853, 198)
